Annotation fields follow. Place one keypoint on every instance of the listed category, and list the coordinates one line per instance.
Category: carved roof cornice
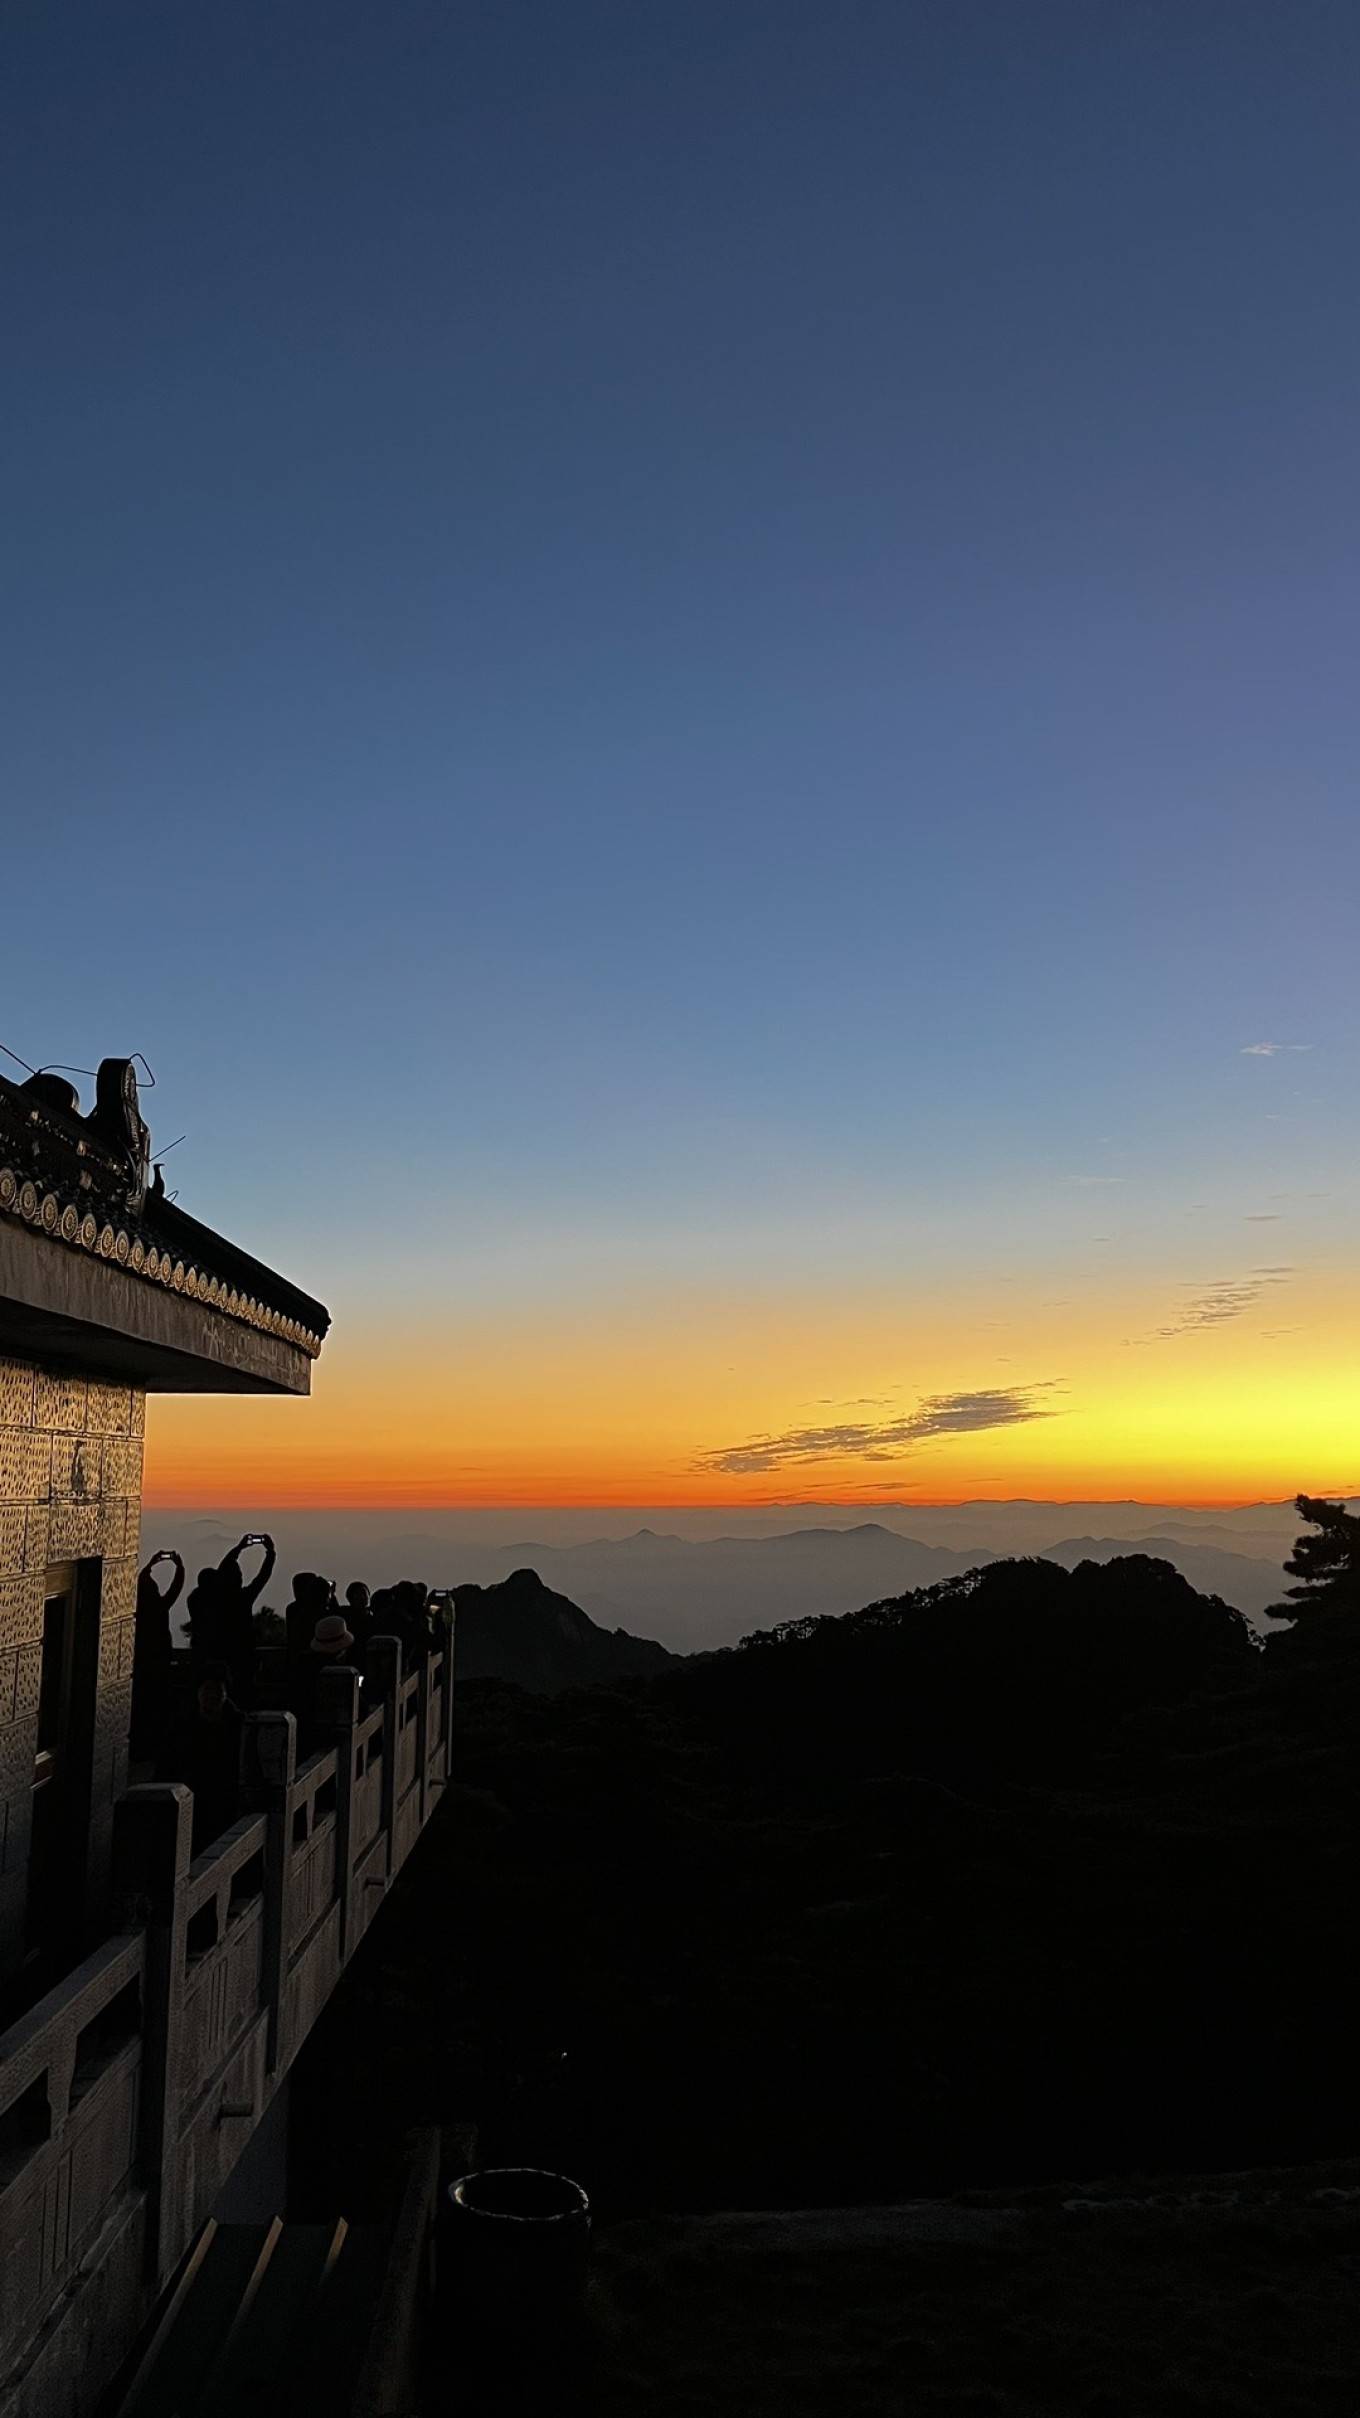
(60, 1178)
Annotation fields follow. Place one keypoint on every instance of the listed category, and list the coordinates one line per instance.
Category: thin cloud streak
(1213, 1305)
(1274, 1049)
(963, 1413)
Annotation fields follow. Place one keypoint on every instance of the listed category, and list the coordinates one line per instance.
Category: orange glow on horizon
(624, 1409)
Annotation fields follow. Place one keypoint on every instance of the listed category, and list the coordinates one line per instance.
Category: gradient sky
(690, 672)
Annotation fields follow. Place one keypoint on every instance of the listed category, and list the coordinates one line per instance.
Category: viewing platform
(165, 1996)
(130, 2092)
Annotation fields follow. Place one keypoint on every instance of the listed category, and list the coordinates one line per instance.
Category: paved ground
(1225, 2296)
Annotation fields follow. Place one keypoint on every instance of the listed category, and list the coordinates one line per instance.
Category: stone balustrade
(130, 2091)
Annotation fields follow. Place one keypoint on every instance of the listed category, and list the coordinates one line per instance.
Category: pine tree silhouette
(1327, 1565)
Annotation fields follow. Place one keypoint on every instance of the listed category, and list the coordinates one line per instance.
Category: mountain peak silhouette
(525, 1632)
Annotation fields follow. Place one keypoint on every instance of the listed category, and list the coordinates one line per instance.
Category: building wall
(70, 1490)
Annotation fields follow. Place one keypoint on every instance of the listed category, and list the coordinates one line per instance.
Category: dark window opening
(201, 1931)
(64, 1730)
(100, 2040)
(24, 2127)
(248, 1883)
(56, 1665)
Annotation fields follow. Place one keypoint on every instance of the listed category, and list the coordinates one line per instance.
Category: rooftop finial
(118, 1118)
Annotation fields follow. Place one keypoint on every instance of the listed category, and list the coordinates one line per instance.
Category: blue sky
(676, 636)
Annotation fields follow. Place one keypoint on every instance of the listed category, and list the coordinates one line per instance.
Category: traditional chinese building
(108, 1292)
(166, 1996)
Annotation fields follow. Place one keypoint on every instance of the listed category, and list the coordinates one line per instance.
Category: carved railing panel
(69, 2073)
(107, 2086)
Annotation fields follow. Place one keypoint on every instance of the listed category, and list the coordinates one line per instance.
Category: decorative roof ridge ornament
(118, 1121)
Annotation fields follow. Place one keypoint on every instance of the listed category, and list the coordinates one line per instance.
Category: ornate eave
(78, 1189)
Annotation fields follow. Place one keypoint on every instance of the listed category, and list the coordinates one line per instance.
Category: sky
(689, 672)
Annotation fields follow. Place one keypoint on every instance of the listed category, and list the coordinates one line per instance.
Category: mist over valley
(695, 1580)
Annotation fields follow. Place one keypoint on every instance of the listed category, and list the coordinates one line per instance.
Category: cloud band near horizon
(953, 1414)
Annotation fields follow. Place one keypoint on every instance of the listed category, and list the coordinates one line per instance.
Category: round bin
(515, 2247)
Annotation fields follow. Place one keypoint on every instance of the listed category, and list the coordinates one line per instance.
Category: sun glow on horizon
(800, 1401)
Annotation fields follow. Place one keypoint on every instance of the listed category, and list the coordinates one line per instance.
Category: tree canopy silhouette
(1326, 1565)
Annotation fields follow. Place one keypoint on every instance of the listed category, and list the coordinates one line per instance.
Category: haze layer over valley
(697, 1579)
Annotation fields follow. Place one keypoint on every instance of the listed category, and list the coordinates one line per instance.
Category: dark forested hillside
(1030, 1873)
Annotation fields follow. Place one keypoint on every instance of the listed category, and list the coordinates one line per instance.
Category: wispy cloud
(1262, 1217)
(1097, 1179)
(853, 1401)
(957, 1414)
(1274, 1049)
(1214, 1304)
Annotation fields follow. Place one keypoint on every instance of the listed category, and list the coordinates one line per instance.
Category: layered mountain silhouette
(698, 1580)
(522, 1631)
(527, 1631)
(708, 1594)
(700, 1594)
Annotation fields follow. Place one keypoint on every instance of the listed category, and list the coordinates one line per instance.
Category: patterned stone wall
(70, 1491)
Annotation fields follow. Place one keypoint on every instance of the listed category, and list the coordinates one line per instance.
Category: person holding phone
(236, 1601)
(152, 1653)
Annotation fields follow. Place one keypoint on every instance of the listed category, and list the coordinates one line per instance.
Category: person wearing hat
(330, 1638)
(330, 1650)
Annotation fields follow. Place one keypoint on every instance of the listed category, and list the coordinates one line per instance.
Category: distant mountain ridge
(696, 1595)
(709, 1592)
(522, 1630)
(697, 1580)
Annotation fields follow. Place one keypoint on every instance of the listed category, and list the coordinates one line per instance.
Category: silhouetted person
(205, 1610)
(408, 1619)
(152, 1656)
(313, 1598)
(358, 1615)
(236, 1599)
(204, 1751)
(382, 1622)
(331, 1648)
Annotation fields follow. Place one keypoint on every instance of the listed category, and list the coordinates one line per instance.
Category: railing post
(382, 1668)
(338, 1712)
(269, 1766)
(152, 1846)
(450, 1639)
(423, 1736)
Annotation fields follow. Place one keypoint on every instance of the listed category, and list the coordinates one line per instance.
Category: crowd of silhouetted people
(187, 1706)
